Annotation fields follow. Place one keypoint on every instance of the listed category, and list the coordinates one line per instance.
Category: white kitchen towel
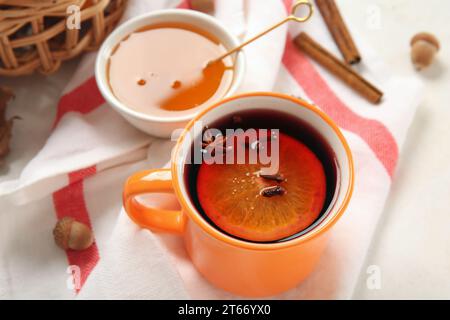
(81, 169)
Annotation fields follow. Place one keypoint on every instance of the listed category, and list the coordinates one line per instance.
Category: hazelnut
(424, 47)
(71, 234)
(206, 6)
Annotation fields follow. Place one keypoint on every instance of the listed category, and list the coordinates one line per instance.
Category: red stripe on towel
(69, 202)
(185, 4)
(373, 132)
(83, 99)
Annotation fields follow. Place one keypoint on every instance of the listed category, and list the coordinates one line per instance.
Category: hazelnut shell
(206, 6)
(71, 234)
(424, 47)
(427, 37)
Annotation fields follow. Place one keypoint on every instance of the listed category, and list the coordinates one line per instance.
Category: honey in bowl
(165, 67)
(241, 202)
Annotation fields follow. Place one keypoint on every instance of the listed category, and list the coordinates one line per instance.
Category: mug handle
(152, 181)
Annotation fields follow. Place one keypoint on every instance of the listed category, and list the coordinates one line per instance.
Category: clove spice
(210, 143)
(275, 177)
(272, 191)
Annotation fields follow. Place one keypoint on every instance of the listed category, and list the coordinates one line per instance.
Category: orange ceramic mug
(241, 267)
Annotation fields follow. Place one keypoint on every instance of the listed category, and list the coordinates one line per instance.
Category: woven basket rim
(33, 33)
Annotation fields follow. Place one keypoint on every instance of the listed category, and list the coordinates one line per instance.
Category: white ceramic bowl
(162, 125)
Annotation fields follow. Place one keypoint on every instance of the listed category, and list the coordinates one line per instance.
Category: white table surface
(412, 242)
(411, 246)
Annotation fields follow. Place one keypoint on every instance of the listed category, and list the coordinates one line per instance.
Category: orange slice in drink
(247, 205)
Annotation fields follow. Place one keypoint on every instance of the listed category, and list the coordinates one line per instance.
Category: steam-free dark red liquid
(288, 125)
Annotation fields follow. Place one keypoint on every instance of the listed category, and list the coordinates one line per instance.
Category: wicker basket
(34, 36)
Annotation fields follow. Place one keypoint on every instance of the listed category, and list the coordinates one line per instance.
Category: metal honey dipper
(291, 17)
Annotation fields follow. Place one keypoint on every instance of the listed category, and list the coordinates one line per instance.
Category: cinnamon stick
(338, 68)
(339, 30)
